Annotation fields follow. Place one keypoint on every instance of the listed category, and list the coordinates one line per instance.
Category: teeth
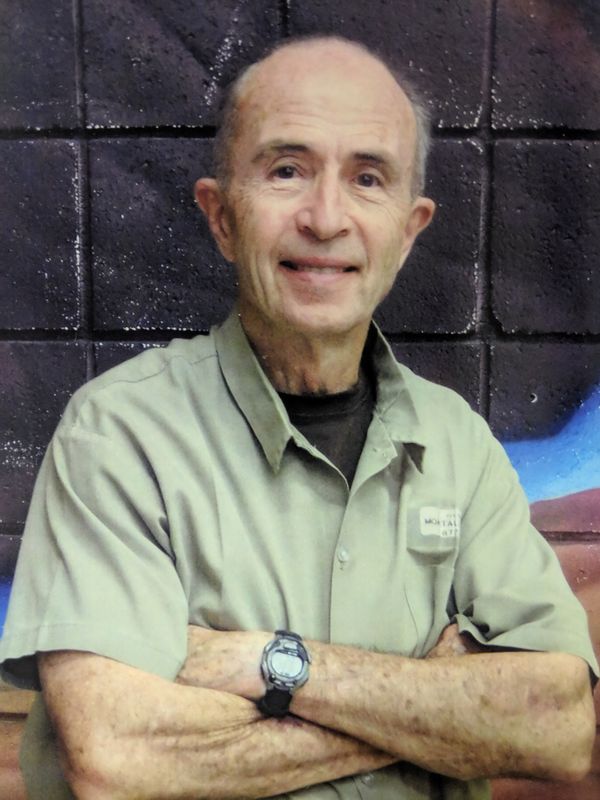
(320, 270)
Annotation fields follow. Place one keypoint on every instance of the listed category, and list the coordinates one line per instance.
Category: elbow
(574, 765)
(570, 729)
(570, 771)
(89, 785)
(91, 769)
(82, 790)
(570, 758)
(576, 773)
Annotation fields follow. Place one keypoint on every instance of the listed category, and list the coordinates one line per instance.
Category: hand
(452, 643)
(228, 661)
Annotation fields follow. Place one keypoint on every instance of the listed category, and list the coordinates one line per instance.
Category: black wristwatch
(284, 666)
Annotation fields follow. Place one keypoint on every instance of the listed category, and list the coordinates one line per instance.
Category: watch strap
(289, 635)
(275, 702)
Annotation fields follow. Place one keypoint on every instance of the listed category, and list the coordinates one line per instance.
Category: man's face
(318, 216)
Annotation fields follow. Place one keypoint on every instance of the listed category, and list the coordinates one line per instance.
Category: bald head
(260, 85)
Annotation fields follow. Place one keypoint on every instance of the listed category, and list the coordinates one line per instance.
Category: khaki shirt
(175, 490)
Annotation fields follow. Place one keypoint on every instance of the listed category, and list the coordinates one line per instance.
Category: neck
(298, 363)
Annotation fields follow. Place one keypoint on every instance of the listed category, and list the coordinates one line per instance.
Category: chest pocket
(433, 536)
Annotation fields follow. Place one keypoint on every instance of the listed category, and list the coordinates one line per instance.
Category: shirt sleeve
(95, 571)
(509, 588)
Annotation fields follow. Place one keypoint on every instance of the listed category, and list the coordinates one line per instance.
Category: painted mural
(561, 472)
(9, 548)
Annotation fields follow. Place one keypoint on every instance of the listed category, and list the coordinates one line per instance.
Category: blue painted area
(5, 587)
(568, 461)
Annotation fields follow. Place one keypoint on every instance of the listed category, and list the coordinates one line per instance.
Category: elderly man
(287, 474)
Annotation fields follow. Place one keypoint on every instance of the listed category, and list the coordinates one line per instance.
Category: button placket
(347, 579)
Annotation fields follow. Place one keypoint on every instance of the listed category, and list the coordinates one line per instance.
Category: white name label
(444, 522)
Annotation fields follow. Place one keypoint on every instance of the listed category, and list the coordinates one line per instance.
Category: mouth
(318, 266)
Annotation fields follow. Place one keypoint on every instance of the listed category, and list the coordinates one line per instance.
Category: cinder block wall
(107, 111)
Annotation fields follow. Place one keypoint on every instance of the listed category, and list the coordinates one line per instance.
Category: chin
(324, 322)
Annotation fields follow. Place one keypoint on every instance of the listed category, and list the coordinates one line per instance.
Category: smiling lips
(319, 266)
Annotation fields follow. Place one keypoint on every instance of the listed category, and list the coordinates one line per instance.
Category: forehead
(336, 94)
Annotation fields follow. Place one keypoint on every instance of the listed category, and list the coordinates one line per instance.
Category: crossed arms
(127, 734)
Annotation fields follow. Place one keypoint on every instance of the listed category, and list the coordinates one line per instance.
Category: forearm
(483, 715)
(138, 736)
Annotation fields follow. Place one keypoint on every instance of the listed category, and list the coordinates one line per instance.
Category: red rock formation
(573, 513)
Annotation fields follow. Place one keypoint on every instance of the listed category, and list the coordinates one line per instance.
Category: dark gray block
(438, 45)
(547, 64)
(534, 386)
(37, 380)
(436, 289)
(38, 235)
(157, 63)
(154, 261)
(453, 364)
(110, 354)
(37, 64)
(546, 237)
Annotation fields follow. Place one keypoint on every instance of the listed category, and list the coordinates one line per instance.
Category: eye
(367, 180)
(285, 171)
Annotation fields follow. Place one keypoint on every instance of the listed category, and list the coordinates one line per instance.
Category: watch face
(286, 664)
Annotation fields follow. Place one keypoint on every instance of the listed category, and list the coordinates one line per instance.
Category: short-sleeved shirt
(176, 491)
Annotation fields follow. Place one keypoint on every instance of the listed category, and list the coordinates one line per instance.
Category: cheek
(258, 247)
(262, 226)
(386, 241)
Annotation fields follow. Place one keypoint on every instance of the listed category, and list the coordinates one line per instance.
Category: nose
(323, 214)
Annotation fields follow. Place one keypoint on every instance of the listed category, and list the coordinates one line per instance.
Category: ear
(209, 197)
(420, 216)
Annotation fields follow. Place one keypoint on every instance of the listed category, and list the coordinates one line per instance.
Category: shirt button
(343, 555)
(367, 778)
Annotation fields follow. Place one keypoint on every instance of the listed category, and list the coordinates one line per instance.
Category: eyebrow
(380, 160)
(377, 159)
(277, 147)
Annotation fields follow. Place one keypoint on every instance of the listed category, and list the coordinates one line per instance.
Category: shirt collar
(395, 401)
(252, 391)
(260, 404)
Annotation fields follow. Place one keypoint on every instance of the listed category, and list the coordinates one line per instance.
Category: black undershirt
(336, 424)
